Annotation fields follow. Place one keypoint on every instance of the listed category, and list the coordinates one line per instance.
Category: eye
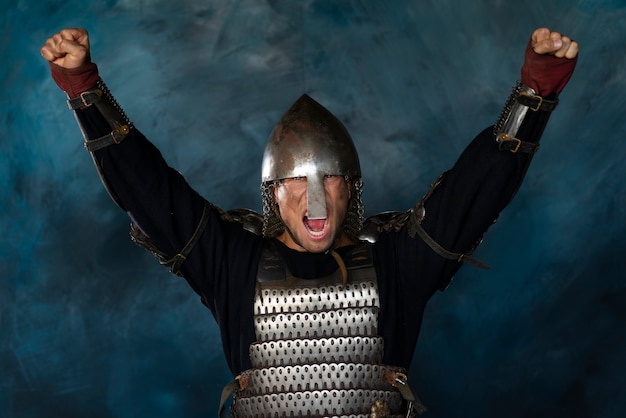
(293, 181)
(332, 179)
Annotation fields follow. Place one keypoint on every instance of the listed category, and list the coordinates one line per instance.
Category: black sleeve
(470, 198)
(155, 196)
(478, 187)
(142, 183)
(221, 267)
(458, 212)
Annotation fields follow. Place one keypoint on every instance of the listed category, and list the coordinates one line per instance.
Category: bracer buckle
(533, 98)
(508, 140)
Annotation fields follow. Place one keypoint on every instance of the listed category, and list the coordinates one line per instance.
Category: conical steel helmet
(309, 141)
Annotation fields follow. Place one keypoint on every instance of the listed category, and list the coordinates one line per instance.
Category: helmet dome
(309, 141)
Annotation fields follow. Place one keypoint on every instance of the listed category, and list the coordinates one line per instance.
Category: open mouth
(315, 227)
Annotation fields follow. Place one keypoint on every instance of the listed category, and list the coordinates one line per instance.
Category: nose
(315, 197)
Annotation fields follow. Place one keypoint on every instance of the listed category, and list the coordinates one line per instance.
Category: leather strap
(176, 262)
(512, 144)
(535, 102)
(400, 381)
(231, 388)
(86, 98)
(458, 257)
(115, 137)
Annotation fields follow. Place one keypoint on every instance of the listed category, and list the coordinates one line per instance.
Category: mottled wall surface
(91, 325)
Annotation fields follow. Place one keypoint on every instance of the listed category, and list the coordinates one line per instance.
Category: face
(313, 235)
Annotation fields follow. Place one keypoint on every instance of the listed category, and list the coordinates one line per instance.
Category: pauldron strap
(416, 228)
(249, 220)
(175, 263)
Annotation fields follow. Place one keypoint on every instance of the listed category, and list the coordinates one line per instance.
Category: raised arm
(449, 222)
(216, 253)
(166, 213)
(490, 171)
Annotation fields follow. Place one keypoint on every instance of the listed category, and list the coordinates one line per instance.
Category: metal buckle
(400, 378)
(84, 96)
(533, 97)
(120, 133)
(502, 138)
(243, 380)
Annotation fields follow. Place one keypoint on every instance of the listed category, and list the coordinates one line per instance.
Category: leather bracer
(523, 119)
(100, 97)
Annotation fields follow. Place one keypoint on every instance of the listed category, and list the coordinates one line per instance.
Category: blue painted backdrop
(90, 325)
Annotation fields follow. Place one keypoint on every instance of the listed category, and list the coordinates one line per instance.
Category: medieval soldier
(319, 309)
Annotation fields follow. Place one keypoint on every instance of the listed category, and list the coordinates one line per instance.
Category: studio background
(91, 325)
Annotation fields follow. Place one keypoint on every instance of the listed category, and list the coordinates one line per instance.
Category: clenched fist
(70, 62)
(68, 49)
(545, 41)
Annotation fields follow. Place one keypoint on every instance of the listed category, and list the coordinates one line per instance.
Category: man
(319, 311)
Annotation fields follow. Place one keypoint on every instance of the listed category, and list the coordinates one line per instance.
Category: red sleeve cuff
(75, 81)
(546, 74)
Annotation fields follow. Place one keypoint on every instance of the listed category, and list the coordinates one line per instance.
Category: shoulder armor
(394, 221)
(250, 220)
(385, 221)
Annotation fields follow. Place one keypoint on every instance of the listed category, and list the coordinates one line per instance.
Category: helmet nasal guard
(310, 142)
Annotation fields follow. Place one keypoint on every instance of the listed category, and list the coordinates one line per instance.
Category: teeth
(316, 233)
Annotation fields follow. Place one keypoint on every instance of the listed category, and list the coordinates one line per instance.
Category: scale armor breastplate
(318, 353)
